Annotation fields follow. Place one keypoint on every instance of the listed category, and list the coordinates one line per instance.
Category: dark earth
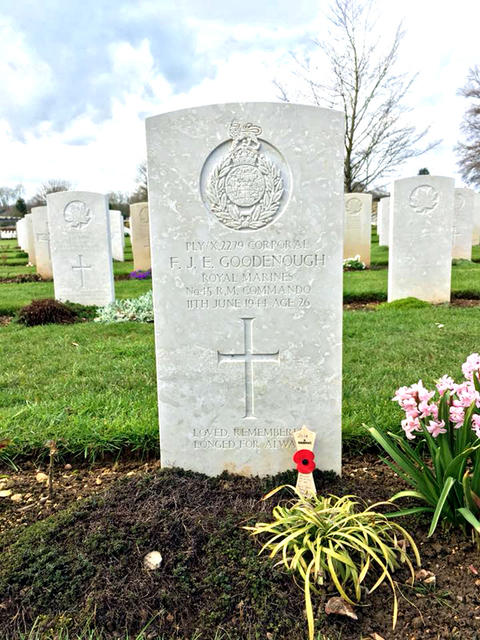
(77, 560)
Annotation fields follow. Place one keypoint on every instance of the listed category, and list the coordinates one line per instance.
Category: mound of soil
(84, 565)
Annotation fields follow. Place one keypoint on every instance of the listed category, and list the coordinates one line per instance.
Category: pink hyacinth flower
(435, 428)
(476, 424)
(445, 383)
(471, 365)
(457, 416)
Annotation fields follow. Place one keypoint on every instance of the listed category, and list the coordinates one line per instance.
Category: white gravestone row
(476, 220)
(463, 224)
(357, 226)
(247, 278)
(30, 248)
(383, 222)
(140, 236)
(80, 247)
(21, 234)
(420, 242)
(41, 239)
(117, 235)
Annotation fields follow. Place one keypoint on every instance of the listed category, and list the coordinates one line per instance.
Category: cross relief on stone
(248, 357)
(81, 268)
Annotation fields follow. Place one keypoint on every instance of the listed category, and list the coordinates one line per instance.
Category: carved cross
(248, 357)
(81, 268)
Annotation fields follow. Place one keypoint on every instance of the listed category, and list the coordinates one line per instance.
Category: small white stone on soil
(152, 560)
(17, 497)
(340, 607)
(41, 477)
(67, 467)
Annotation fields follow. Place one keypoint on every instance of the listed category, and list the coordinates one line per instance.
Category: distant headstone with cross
(246, 222)
(41, 239)
(81, 253)
(140, 236)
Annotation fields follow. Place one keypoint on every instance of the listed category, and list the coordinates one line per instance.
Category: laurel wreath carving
(230, 214)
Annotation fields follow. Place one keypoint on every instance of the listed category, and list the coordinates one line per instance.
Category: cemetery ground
(71, 566)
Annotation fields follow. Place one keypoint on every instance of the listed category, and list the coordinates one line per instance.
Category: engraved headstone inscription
(421, 230)
(463, 224)
(140, 236)
(80, 247)
(383, 221)
(246, 219)
(41, 239)
(117, 235)
(358, 224)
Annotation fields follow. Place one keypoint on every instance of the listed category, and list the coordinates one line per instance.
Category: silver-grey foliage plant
(130, 310)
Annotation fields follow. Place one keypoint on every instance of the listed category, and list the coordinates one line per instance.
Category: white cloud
(84, 120)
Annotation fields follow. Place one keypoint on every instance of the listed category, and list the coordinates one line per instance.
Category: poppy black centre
(304, 461)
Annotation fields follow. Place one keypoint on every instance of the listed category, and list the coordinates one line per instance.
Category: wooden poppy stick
(304, 459)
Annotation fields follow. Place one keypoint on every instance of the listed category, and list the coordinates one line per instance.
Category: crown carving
(244, 155)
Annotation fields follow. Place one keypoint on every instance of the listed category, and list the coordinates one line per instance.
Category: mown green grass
(14, 296)
(92, 387)
(13, 260)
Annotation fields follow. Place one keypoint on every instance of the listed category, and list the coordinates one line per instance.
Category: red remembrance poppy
(304, 459)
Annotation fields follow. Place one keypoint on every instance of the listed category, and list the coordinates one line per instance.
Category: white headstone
(476, 219)
(42, 242)
(420, 244)
(140, 236)
(358, 226)
(30, 248)
(80, 246)
(21, 232)
(463, 224)
(383, 222)
(117, 235)
(246, 215)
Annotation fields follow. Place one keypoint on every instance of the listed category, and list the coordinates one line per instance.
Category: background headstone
(246, 215)
(117, 235)
(42, 242)
(476, 219)
(21, 234)
(463, 224)
(30, 248)
(79, 227)
(140, 236)
(420, 244)
(358, 226)
(383, 222)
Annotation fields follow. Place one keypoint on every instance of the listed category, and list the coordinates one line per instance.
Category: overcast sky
(79, 78)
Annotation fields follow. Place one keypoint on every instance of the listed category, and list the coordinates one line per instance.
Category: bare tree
(51, 186)
(469, 150)
(141, 192)
(9, 195)
(119, 200)
(365, 86)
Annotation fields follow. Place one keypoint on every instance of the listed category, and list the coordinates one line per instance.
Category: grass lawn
(95, 391)
(14, 296)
